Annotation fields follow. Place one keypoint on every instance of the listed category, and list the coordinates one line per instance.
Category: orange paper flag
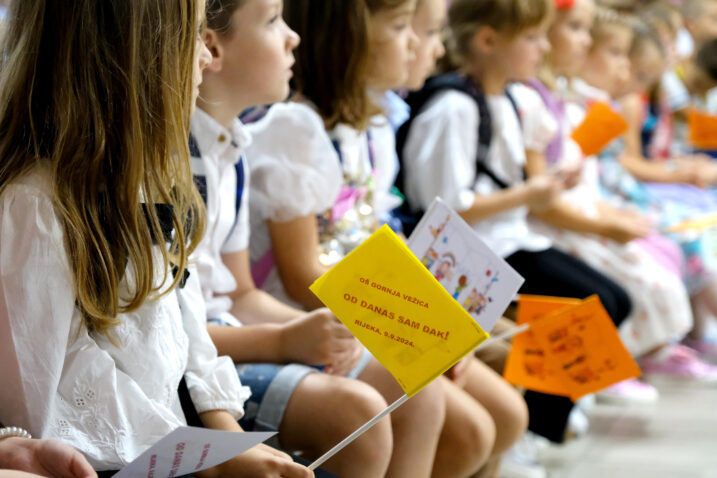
(572, 352)
(703, 130)
(528, 367)
(599, 128)
(533, 307)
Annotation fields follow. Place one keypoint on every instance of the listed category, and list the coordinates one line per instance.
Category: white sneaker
(630, 391)
(511, 469)
(587, 403)
(578, 423)
(521, 461)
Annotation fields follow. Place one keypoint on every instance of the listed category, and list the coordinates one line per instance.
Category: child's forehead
(614, 34)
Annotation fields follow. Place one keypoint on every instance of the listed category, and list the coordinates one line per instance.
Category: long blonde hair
(100, 92)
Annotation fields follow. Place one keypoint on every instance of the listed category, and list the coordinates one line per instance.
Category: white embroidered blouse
(61, 382)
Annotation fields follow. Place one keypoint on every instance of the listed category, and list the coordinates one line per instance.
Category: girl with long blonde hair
(102, 318)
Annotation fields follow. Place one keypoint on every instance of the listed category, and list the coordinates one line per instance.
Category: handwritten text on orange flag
(572, 352)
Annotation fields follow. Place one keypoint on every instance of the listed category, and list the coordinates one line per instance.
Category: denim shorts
(272, 385)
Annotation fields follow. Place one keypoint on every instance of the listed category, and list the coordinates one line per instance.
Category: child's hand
(318, 338)
(570, 176)
(543, 191)
(698, 170)
(624, 228)
(44, 458)
(262, 461)
(457, 372)
(343, 366)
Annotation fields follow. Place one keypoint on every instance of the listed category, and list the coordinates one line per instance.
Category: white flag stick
(358, 433)
(506, 335)
(367, 426)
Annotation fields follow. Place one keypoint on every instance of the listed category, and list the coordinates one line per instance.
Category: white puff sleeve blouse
(295, 170)
(109, 401)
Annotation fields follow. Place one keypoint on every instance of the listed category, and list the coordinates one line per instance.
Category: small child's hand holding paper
(319, 338)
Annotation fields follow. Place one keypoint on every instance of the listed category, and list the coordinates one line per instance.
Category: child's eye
(274, 19)
(401, 26)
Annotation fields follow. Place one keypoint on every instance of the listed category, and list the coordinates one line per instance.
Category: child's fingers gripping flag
(399, 311)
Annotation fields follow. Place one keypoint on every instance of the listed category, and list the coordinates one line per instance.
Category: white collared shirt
(440, 161)
(226, 232)
(111, 401)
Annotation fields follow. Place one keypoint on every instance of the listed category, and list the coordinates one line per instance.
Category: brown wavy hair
(331, 61)
(100, 93)
(466, 17)
(220, 13)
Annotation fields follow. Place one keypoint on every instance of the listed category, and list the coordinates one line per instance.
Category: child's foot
(522, 460)
(578, 424)
(707, 349)
(587, 403)
(681, 363)
(629, 391)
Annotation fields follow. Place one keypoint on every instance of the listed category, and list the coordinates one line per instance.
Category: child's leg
(468, 435)
(325, 409)
(704, 304)
(416, 424)
(505, 405)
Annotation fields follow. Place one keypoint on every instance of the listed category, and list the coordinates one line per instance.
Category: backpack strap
(452, 81)
(556, 106)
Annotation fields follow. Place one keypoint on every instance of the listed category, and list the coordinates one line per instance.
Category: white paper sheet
(482, 282)
(188, 449)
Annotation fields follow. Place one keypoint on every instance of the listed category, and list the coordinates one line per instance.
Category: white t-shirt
(109, 401)
(440, 160)
(226, 233)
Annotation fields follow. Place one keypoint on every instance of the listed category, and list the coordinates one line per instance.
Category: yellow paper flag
(399, 311)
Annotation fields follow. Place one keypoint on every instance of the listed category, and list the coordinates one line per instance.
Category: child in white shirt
(98, 213)
(493, 43)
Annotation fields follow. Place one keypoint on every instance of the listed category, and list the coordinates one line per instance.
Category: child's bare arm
(249, 304)
(537, 193)
(295, 247)
(633, 159)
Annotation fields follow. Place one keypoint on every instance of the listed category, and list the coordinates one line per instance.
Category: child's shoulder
(289, 133)
(293, 117)
(295, 168)
(450, 103)
(35, 183)
(527, 98)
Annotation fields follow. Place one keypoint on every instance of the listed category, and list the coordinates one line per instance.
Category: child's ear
(211, 39)
(484, 40)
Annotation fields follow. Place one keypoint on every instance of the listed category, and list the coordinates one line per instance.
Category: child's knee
(428, 406)
(361, 403)
(511, 421)
(474, 443)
